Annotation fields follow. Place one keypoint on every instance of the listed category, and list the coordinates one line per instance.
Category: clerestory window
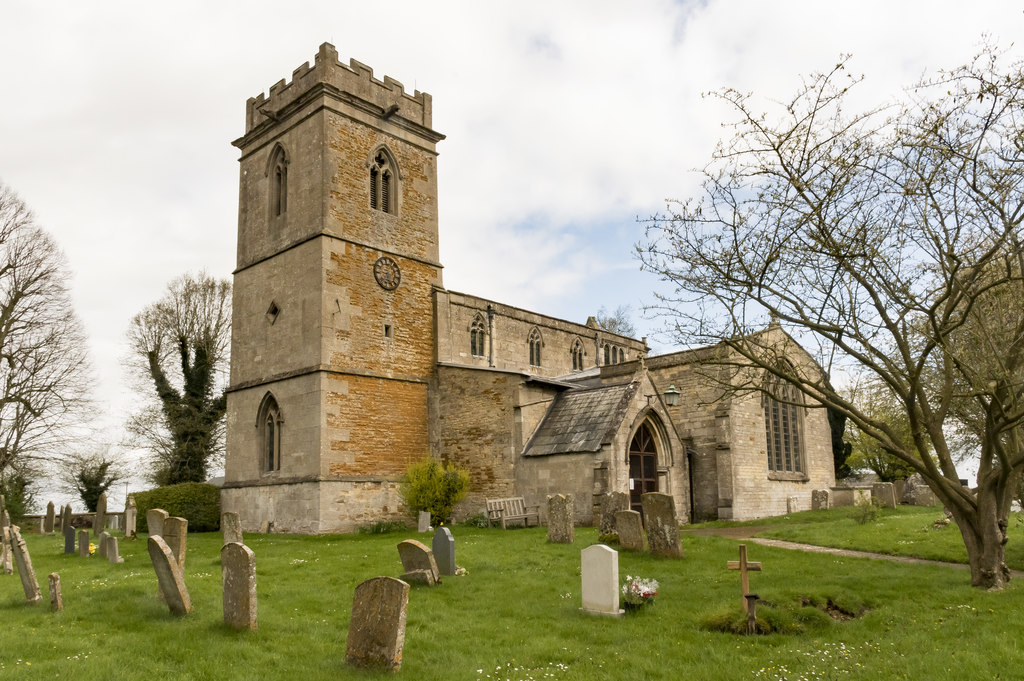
(477, 337)
(535, 343)
(577, 355)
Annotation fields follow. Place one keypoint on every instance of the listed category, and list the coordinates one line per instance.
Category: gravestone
(423, 522)
(630, 528)
(376, 631)
(131, 518)
(24, 563)
(231, 526)
(83, 543)
(101, 544)
(42, 524)
(266, 526)
(176, 536)
(65, 518)
(99, 522)
(7, 553)
(112, 553)
(418, 563)
(56, 601)
(69, 539)
(917, 492)
(611, 503)
(561, 528)
(170, 577)
(599, 570)
(238, 577)
(49, 519)
(113, 522)
(821, 499)
(5, 518)
(662, 526)
(443, 548)
(792, 504)
(155, 518)
(884, 493)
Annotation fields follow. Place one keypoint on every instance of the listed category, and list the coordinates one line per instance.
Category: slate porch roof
(582, 420)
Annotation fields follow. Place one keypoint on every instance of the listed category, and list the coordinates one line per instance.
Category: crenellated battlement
(355, 79)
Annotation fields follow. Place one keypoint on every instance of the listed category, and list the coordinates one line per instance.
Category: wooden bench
(513, 508)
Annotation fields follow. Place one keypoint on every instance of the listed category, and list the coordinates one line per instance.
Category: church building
(350, 360)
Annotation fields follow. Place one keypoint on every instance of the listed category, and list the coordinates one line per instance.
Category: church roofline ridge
(354, 78)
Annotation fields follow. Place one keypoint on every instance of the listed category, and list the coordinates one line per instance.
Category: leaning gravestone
(662, 526)
(884, 492)
(630, 528)
(176, 536)
(83, 543)
(238, 577)
(7, 557)
(131, 518)
(599, 570)
(99, 522)
(49, 519)
(155, 518)
(376, 632)
(169, 575)
(821, 500)
(443, 548)
(231, 526)
(24, 562)
(561, 528)
(69, 539)
(423, 522)
(418, 563)
(611, 503)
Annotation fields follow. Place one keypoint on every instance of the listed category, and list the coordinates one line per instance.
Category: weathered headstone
(611, 503)
(599, 570)
(231, 526)
(155, 518)
(99, 522)
(662, 526)
(101, 544)
(561, 525)
(376, 631)
(630, 528)
(48, 520)
(170, 577)
(83, 543)
(238, 577)
(176, 536)
(423, 522)
(42, 524)
(56, 600)
(65, 517)
(113, 522)
(113, 552)
(884, 493)
(7, 556)
(266, 526)
(131, 518)
(443, 548)
(821, 499)
(69, 539)
(5, 518)
(418, 563)
(24, 563)
(917, 492)
(743, 565)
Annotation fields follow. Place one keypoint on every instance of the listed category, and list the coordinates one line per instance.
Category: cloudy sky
(565, 122)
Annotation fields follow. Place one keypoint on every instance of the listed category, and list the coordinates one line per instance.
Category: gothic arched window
(782, 404)
(277, 173)
(577, 355)
(477, 336)
(383, 182)
(269, 423)
(535, 343)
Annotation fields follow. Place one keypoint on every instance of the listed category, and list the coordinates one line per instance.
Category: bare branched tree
(180, 347)
(44, 368)
(883, 242)
(89, 474)
(619, 321)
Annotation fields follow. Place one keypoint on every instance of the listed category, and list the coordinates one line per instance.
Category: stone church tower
(333, 325)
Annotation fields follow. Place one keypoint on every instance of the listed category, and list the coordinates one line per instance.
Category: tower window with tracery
(382, 183)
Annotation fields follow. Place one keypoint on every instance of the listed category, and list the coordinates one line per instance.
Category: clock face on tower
(387, 274)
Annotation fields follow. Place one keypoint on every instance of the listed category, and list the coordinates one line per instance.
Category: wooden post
(751, 616)
(743, 566)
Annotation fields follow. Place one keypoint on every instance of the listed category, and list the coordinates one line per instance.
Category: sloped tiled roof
(582, 420)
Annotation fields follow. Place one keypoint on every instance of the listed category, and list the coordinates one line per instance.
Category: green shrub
(197, 502)
(435, 487)
(477, 520)
(18, 495)
(867, 510)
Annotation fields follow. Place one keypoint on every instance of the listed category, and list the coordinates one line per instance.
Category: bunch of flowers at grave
(638, 591)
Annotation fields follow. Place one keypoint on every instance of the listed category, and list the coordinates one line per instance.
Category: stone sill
(788, 477)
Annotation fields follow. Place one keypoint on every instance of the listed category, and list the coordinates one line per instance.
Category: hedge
(197, 502)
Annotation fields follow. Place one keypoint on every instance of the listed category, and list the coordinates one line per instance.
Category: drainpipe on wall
(490, 336)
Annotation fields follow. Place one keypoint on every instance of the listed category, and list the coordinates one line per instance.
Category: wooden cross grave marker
(743, 566)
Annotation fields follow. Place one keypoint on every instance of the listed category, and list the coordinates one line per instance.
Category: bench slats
(512, 508)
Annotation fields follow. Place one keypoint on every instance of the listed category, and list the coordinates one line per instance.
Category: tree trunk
(984, 534)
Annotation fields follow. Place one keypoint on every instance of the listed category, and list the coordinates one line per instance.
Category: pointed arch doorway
(643, 465)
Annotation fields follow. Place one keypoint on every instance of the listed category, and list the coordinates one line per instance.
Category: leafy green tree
(435, 487)
(881, 241)
(868, 453)
(180, 346)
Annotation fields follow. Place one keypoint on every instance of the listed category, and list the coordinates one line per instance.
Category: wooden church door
(643, 466)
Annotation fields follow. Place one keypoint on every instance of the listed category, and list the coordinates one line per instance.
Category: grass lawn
(514, 616)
